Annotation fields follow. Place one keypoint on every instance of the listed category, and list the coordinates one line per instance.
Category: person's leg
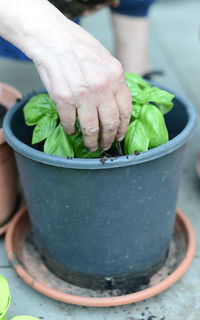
(131, 30)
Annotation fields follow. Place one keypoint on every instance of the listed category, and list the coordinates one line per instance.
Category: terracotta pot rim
(18, 95)
(108, 301)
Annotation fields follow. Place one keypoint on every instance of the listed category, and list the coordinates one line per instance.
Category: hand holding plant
(80, 75)
(146, 130)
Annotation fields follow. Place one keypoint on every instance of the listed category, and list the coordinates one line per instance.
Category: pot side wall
(86, 219)
(93, 221)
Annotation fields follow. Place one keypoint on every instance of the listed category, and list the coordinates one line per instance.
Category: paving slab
(22, 75)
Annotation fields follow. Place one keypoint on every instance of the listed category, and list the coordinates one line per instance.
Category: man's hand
(80, 75)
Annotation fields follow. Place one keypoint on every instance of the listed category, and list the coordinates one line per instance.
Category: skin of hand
(80, 75)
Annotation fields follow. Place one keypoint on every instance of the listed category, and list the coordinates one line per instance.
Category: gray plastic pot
(103, 225)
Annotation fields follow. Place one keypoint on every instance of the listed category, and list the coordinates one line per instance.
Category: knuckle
(100, 83)
(126, 113)
(62, 97)
(90, 131)
(111, 126)
(118, 70)
(82, 91)
(118, 64)
(122, 131)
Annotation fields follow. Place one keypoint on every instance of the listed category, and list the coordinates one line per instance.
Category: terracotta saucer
(30, 267)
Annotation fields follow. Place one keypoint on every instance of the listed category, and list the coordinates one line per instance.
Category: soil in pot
(2, 114)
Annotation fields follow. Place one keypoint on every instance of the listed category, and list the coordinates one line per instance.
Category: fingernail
(105, 148)
(93, 149)
(120, 138)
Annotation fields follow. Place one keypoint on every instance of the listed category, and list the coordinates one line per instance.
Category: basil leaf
(4, 294)
(58, 144)
(139, 96)
(154, 125)
(37, 107)
(135, 81)
(135, 138)
(164, 108)
(161, 98)
(136, 111)
(43, 129)
(80, 150)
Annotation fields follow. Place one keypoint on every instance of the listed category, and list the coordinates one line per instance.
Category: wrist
(30, 24)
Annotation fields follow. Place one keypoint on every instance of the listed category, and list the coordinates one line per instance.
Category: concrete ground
(175, 48)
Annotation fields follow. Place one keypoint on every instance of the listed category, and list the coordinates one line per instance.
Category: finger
(89, 122)
(67, 116)
(124, 102)
(62, 97)
(109, 122)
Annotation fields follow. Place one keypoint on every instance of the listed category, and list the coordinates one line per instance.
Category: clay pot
(8, 170)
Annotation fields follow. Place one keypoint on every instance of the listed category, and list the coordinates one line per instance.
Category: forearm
(79, 74)
(28, 23)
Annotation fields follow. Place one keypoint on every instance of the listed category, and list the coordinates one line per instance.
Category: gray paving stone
(21, 75)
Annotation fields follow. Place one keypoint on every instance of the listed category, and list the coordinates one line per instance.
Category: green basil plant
(4, 296)
(147, 128)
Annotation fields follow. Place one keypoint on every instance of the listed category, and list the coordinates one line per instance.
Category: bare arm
(79, 74)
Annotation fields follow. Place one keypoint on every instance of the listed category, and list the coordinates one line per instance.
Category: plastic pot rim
(89, 164)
